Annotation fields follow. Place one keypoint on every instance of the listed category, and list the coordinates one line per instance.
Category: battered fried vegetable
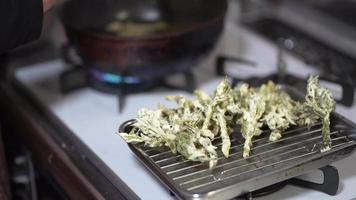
(250, 120)
(318, 105)
(279, 113)
(215, 114)
(193, 125)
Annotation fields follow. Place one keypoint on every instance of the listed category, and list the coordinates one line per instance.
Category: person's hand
(48, 4)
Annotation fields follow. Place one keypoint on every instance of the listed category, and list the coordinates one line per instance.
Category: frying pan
(191, 28)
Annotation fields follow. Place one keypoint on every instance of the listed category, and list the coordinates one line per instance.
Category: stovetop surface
(93, 117)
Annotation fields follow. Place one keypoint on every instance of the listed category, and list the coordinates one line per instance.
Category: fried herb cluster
(191, 127)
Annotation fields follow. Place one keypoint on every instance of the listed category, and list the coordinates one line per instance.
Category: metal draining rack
(270, 162)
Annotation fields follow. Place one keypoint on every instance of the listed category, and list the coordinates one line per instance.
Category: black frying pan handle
(348, 91)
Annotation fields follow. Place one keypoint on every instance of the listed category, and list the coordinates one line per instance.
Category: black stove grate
(332, 63)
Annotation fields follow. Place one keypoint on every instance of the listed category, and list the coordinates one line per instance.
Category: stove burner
(329, 186)
(79, 77)
(115, 84)
(113, 78)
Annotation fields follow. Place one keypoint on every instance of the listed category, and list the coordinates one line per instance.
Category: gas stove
(93, 118)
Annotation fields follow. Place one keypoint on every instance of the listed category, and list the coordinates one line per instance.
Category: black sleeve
(20, 22)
